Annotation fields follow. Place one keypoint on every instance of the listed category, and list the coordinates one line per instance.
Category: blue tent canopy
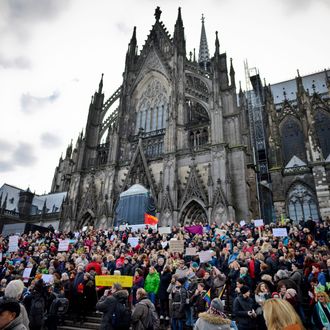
(133, 204)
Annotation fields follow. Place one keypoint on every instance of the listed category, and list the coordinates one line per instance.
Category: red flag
(150, 219)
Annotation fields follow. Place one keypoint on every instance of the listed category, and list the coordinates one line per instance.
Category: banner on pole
(109, 280)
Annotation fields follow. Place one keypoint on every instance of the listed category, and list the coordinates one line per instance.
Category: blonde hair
(279, 314)
(323, 294)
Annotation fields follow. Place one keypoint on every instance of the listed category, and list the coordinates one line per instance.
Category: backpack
(121, 317)
(59, 306)
(37, 311)
(152, 321)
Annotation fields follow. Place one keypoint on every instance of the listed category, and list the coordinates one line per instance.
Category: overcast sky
(53, 52)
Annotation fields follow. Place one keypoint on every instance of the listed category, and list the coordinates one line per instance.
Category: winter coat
(151, 284)
(107, 305)
(198, 302)
(208, 321)
(16, 324)
(179, 299)
(140, 314)
(165, 280)
(241, 307)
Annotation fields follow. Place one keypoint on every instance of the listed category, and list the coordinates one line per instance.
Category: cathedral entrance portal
(193, 212)
(87, 219)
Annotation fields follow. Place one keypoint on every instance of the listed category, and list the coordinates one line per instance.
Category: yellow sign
(108, 280)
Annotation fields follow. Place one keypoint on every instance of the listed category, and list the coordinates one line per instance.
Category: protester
(10, 317)
(214, 318)
(242, 258)
(280, 315)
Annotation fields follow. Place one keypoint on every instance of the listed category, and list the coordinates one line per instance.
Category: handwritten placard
(191, 251)
(26, 274)
(242, 223)
(13, 243)
(133, 241)
(280, 232)
(205, 256)
(164, 230)
(176, 246)
(63, 245)
(258, 222)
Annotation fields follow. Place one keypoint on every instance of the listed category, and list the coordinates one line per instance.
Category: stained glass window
(302, 203)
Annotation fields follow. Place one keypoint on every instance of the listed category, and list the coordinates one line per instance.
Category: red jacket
(96, 266)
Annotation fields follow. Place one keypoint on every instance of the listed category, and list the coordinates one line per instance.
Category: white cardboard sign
(13, 243)
(133, 241)
(63, 245)
(259, 222)
(176, 246)
(26, 274)
(191, 251)
(280, 232)
(164, 230)
(242, 223)
(48, 278)
(205, 256)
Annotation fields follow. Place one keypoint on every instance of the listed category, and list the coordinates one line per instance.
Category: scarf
(322, 315)
(217, 312)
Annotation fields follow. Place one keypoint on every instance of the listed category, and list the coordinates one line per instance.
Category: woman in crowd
(321, 312)
(280, 315)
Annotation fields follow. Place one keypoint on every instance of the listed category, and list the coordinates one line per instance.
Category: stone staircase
(93, 321)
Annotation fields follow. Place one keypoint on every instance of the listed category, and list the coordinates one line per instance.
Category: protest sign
(194, 229)
(242, 223)
(63, 245)
(47, 278)
(164, 230)
(84, 228)
(220, 232)
(122, 227)
(164, 244)
(13, 243)
(176, 246)
(26, 274)
(205, 256)
(108, 280)
(280, 232)
(133, 241)
(259, 222)
(0, 256)
(191, 251)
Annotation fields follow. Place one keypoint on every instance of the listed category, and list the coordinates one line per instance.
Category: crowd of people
(252, 280)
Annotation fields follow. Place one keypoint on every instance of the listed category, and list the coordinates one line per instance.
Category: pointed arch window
(301, 203)
(292, 137)
(152, 106)
(322, 126)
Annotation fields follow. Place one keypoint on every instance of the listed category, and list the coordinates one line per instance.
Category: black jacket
(165, 280)
(241, 307)
(106, 305)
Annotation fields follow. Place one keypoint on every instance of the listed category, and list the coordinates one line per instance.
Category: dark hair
(11, 305)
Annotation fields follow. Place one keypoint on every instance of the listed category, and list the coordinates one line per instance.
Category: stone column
(322, 190)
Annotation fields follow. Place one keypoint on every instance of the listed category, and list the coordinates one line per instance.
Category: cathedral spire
(217, 44)
(204, 55)
(178, 37)
(299, 82)
(232, 73)
(101, 84)
(132, 43)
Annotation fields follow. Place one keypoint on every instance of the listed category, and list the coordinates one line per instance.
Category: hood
(121, 295)
(15, 322)
(147, 302)
(213, 319)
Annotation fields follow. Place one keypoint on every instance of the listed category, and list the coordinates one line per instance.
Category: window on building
(322, 126)
(301, 203)
(152, 108)
(292, 140)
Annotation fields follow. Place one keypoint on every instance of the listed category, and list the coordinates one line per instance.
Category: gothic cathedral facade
(177, 130)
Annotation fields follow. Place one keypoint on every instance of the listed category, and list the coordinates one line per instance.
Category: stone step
(70, 325)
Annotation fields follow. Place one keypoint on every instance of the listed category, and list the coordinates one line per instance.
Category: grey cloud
(294, 6)
(6, 166)
(6, 146)
(22, 154)
(30, 103)
(19, 62)
(18, 16)
(49, 140)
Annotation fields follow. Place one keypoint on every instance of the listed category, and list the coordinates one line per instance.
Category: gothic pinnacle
(101, 84)
(204, 55)
(217, 44)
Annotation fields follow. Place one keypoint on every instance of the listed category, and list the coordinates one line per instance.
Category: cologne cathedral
(177, 133)
(177, 130)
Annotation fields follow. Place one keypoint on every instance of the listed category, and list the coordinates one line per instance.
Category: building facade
(173, 126)
(290, 130)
